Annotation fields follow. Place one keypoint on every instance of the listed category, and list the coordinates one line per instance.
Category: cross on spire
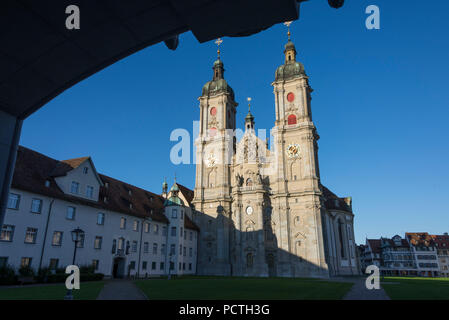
(249, 103)
(218, 42)
(287, 24)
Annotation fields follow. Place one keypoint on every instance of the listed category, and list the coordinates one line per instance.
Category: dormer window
(47, 183)
(85, 170)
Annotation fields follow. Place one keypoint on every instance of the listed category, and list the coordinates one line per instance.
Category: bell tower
(215, 147)
(297, 192)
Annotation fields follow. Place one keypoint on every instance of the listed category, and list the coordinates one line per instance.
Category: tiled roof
(32, 169)
(420, 239)
(391, 243)
(441, 241)
(332, 201)
(375, 245)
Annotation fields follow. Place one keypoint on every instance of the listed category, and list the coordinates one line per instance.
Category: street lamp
(77, 236)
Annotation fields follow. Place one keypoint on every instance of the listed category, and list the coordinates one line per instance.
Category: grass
(408, 288)
(218, 288)
(88, 291)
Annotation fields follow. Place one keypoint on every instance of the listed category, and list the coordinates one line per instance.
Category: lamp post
(77, 236)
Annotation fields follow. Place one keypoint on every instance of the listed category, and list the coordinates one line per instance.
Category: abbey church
(260, 206)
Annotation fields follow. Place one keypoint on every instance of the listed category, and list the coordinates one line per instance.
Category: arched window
(249, 260)
(340, 235)
(291, 119)
(249, 182)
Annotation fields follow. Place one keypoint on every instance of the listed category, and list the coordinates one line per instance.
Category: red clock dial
(290, 96)
(213, 111)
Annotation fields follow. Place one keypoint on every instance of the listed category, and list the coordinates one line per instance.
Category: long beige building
(263, 211)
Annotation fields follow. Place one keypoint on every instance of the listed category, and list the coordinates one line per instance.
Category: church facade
(262, 210)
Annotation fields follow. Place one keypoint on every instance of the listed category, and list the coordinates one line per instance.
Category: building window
(172, 265)
(13, 201)
(183, 266)
(136, 225)
(180, 233)
(191, 235)
(184, 251)
(190, 266)
(180, 249)
(7, 233)
(174, 214)
(31, 235)
(71, 213)
(153, 265)
(98, 242)
(249, 260)
(161, 267)
(90, 192)
(85, 170)
(114, 245)
(180, 266)
(164, 231)
(95, 264)
(172, 250)
(57, 238)
(163, 249)
(132, 265)
(185, 235)
(155, 248)
(147, 227)
(144, 265)
(53, 265)
(190, 252)
(25, 262)
(47, 183)
(80, 243)
(75, 187)
(173, 231)
(121, 243)
(146, 247)
(134, 246)
(123, 223)
(156, 229)
(3, 262)
(100, 218)
(36, 206)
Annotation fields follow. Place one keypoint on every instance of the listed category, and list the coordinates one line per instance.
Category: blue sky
(380, 104)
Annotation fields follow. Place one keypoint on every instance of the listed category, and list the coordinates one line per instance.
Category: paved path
(121, 290)
(360, 292)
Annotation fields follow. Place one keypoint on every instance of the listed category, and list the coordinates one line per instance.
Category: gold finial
(287, 24)
(249, 103)
(218, 42)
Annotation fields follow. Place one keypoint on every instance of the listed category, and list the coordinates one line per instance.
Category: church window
(291, 119)
(174, 214)
(340, 235)
(249, 182)
(249, 260)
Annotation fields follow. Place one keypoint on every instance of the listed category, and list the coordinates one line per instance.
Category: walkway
(121, 290)
(360, 292)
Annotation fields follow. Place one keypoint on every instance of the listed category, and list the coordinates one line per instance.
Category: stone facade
(263, 210)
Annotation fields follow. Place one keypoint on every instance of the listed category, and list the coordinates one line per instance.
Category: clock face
(211, 160)
(293, 150)
(290, 97)
(249, 210)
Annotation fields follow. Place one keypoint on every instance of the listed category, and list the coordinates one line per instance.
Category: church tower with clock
(264, 211)
(214, 148)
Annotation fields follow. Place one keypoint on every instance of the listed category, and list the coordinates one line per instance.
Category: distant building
(418, 254)
(128, 231)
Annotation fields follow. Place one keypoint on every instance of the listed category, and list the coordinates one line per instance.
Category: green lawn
(402, 288)
(87, 291)
(208, 288)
